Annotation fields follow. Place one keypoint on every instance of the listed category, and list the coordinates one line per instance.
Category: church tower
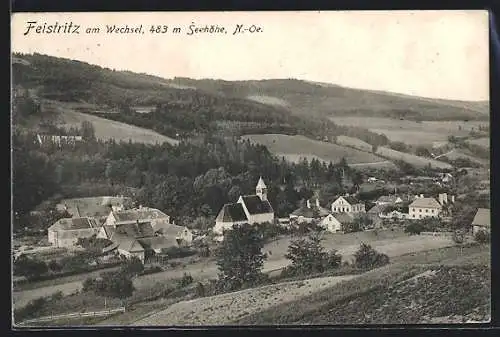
(261, 189)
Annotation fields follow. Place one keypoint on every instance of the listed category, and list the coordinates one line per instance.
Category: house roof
(110, 248)
(127, 243)
(108, 230)
(351, 200)
(309, 212)
(388, 198)
(425, 203)
(377, 209)
(482, 217)
(74, 223)
(343, 217)
(158, 242)
(93, 206)
(232, 213)
(140, 214)
(75, 234)
(170, 230)
(136, 230)
(255, 205)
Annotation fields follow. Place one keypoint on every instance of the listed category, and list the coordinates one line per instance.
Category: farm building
(308, 213)
(66, 232)
(142, 214)
(348, 204)
(94, 206)
(129, 247)
(252, 209)
(482, 220)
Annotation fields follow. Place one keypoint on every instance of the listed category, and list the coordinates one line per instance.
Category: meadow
(412, 132)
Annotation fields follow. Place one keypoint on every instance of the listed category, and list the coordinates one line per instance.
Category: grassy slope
(302, 146)
(370, 291)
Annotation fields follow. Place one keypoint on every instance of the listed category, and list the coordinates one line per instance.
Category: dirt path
(226, 308)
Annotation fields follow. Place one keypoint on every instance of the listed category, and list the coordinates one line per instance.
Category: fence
(75, 315)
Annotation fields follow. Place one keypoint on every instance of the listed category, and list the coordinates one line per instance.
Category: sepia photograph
(190, 169)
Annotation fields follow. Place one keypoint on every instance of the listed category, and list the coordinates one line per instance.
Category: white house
(389, 200)
(66, 232)
(251, 209)
(348, 204)
(424, 207)
(331, 224)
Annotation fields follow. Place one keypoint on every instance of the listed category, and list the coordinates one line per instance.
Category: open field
(109, 129)
(268, 100)
(484, 142)
(411, 159)
(393, 243)
(412, 132)
(354, 142)
(457, 154)
(302, 146)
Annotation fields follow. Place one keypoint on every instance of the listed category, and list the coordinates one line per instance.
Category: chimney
(452, 199)
(317, 203)
(308, 204)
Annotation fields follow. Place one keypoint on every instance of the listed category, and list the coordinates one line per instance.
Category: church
(251, 209)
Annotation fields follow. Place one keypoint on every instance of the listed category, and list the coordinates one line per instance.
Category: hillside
(328, 100)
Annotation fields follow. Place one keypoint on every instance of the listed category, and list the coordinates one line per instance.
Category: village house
(142, 214)
(482, 221)
(251, 209)
(308, 213)
(66, 232)
(335, 223)
(94, 206)
(423, 207)
(389, 200)
(348, 204)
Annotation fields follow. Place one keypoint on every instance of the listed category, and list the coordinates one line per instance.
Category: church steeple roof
(261, 183)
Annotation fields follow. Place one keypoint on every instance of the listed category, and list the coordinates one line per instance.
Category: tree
(367, 258)
(308, 256)
(114, 284)
(482, 236)
(240, 258)
(29, 267)
(133, 267)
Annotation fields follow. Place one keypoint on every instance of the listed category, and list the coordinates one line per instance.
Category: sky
(437, 54)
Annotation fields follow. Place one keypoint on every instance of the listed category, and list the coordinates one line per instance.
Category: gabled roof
(232, 213)
(425, 203)
(482, 217)
(141, 214)
(158, 242)
(351, 200)
(74, 224)
(136, 230)
(309, 212)
(170, 230)
(255, 205)
(127, 243)
(108, 230)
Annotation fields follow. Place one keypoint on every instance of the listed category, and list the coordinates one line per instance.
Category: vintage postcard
(250, 168)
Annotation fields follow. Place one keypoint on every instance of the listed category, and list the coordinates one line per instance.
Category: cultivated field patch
(302, 147)
(411, 159)
(268, 100)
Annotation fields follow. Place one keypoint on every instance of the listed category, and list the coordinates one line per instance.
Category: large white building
(251, 209)
(348, 204)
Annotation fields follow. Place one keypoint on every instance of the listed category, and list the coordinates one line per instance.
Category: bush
(482, 236)
(186, 279)
(368, 258)
(178, 252)
(414, 228)
(200, 289)
(31, 309)
(29, 267)
(152, 270)
(133, 267)
(54, 266)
